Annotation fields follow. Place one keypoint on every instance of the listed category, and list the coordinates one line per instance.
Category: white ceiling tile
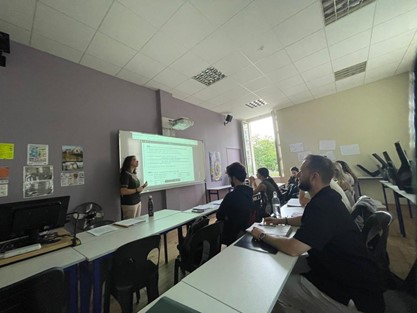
(188, 26)
(55, 48)
(214, 47)
(233, 93)
(321, 81)
(290, 82)
(144, 65)
(350, 59)
(260, 46)
(294, 90)
(350, 82)
(219, 11)
(272, 92)
(190, 86)
(350, 25)
(257, 84)
(100, 65)
(19, 13)
(16, 33)
(317, 72)
(283, 73)
(301, 24)
(277, 60)
(313, 60)
(133, 77)
(232, 63)
(404, 67)
(277, 11)
(170, 77)
(156, 12)
(110, 50)
(351, 44)
(190, 64)
(324, 90)
(381, 72)
(125, 26)
(247, 74)
(157, 85)
(387, 9)
(395, 56)
(398, 25)
(394, 43)
(61, 28)
(180, 94)
(89, 12)
(308, 45)
(301, 97)
(163, 48)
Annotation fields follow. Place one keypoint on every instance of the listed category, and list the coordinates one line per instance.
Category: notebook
(129, 222)
(277, 230)
(167, 305)
(102, 230)
(248, 242)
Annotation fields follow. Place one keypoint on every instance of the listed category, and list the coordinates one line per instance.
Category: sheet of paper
(4, 189)
(278, 230)
(302, 155)
(102, 230)
(350, 149)
(294, 202)
(129, 222)
(7, 151)
(330, 155)
(37, 154)
(297, 147)
(4, 175)
(327, 145)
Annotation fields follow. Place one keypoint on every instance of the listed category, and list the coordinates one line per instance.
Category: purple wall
(48, 100)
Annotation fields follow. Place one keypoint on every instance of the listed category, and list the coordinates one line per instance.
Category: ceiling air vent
(334, 10)
(209, 76)
(256, 104)
(350, 71)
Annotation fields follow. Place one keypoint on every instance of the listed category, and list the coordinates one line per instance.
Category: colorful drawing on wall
(72, 179)
(37, 154)
(215, 166)
(72, 158)
(38, 181)
(6, 151)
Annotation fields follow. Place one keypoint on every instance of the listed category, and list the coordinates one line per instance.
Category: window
(261, 146)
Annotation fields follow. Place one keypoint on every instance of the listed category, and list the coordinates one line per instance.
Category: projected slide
(167, 164)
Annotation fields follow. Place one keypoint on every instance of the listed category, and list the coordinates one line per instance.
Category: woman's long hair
(341, 177)
(263, 171)
(347, 169)
(126, 164)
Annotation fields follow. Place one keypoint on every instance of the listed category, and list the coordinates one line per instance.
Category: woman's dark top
(130, 181)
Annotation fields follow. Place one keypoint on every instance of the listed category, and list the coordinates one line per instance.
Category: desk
(397, 194)
(66, 258)
(246, 280)
(194, 299)
(215, 191)
(365, 178)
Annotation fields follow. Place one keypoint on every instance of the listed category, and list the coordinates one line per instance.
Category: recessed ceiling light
(209, 76)
(334, 10)
(256, 104)
(350, 71)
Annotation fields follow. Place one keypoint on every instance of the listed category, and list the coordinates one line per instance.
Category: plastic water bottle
(150, 206)
(276, 211)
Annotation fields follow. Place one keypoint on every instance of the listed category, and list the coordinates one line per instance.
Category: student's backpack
(199, 223)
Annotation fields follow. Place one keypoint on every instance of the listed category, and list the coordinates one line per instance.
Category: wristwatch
(262, 236)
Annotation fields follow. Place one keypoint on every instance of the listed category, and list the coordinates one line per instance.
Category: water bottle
(276, 205)
(150, 206)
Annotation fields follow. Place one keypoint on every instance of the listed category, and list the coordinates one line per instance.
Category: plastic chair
(43, 292)
(204, 244)
(130, 271)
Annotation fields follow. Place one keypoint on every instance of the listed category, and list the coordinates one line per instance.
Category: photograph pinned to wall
(4, 175)
(38, 181)
(6, 151)
(4, 190)
(330, 155)
(215, 166)
(72, 179)
(297, 147)
(302, 155)
(37, 154)
(72, 158)
(327, 145)
(350, 149)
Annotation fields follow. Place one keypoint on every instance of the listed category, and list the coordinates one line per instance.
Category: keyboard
(21, 250)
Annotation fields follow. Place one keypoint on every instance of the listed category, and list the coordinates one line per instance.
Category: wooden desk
(215, 191)
(194, 299)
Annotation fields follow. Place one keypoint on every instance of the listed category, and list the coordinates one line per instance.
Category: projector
(181, 123)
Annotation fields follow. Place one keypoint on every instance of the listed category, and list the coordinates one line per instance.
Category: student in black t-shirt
(339, 266)
(130, 188)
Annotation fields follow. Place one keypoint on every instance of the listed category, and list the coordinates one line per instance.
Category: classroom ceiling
(279, 51)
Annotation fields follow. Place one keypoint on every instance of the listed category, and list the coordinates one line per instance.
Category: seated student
(293, 180)
(339, 267)
(342, 181)
(291, 190)
(351, 177)
(237, 208)
(266, 187)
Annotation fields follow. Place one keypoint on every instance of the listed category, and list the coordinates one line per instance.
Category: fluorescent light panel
(256, 104)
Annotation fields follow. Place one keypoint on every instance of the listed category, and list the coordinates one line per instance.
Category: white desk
(194, 299)
(291, 211)
(246, 280)
(216, 191)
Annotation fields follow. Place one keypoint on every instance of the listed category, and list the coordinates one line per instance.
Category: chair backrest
(205, 244)
(375, 234)
(90, 216)
(130, 265)
(43, 292)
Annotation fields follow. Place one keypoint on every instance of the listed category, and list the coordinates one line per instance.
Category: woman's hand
(256, 233)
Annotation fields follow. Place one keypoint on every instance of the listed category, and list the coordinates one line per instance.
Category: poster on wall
(3, 190)
(72, 158)
(296, 147)
(6, 151)
(37, 154)
(72, 179)
(215, 166)
(4, 180)
(38, 181)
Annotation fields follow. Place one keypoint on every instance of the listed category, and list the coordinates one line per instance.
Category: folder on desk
(167, 305)
(248, 242)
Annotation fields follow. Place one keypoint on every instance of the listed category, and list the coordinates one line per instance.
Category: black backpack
(184, 246)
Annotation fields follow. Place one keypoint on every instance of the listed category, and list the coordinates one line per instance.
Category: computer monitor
(29, 218)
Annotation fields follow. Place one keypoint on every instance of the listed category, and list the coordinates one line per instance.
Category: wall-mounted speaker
(228, 119)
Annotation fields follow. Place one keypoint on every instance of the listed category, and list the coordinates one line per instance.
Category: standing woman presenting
(130, 188)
